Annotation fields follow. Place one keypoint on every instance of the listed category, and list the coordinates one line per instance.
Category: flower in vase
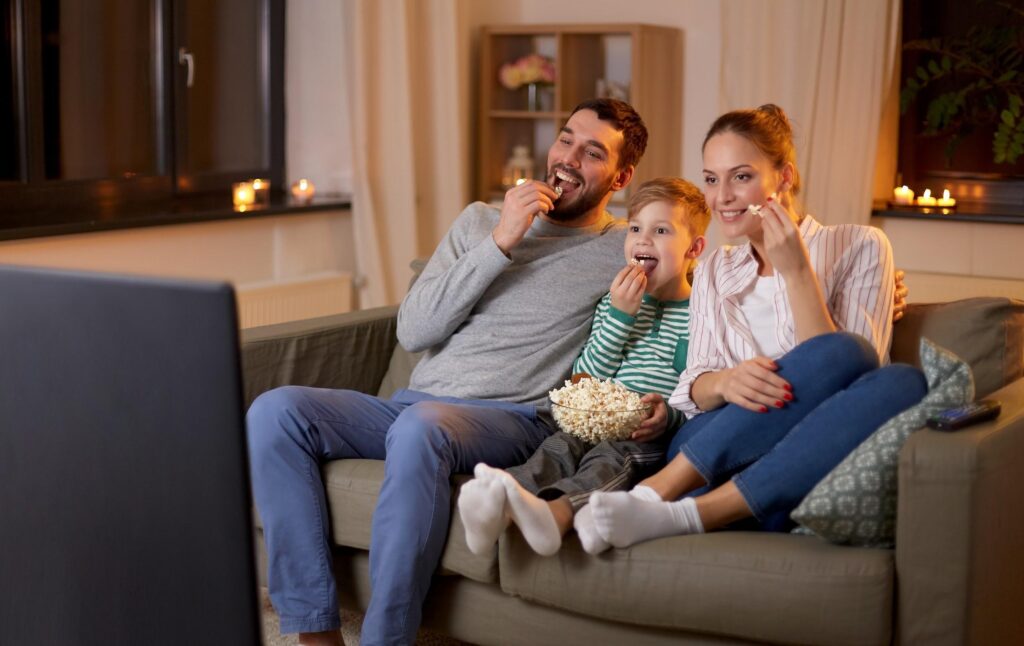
(532, 68)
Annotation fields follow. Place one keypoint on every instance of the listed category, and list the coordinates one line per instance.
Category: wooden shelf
(644, 60)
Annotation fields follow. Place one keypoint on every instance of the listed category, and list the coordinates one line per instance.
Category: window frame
(32, 194)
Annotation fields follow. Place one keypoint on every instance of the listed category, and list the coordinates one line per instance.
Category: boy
(638, 338)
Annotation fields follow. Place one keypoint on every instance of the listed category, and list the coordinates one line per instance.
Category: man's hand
(654, 425)
(627, 289)
(899, 306)
(522, 204)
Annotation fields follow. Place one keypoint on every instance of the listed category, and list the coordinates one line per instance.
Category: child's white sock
(623, 520)
(593, 542)
(482, 509)
(530, 513)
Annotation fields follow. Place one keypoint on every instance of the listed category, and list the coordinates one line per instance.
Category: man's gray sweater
(507, 329)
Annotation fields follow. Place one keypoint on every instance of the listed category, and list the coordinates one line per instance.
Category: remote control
(955, 419)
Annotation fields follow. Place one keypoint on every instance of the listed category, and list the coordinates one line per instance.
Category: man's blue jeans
(293, 430)
(840, 396)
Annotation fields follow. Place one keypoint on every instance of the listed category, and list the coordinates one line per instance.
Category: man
(501, 311)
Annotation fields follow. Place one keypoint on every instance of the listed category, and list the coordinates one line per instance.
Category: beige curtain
(829, 64)
(408, 143)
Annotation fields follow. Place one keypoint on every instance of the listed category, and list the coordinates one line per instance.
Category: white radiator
(272, 302)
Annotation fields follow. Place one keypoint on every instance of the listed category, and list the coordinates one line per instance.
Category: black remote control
(955, 419)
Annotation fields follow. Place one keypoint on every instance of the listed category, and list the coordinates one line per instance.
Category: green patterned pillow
(855, 503)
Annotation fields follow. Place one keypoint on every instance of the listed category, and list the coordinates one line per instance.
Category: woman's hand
(754, 385)
(783, 243)
(654, 425)
(628, 289)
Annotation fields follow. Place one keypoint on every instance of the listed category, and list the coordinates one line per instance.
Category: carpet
(351, 622)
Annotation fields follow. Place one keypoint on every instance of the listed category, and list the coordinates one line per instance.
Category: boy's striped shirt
(644, 353)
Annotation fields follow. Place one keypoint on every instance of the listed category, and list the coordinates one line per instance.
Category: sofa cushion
(352, 488)
(855, 503)
(748, 585)
(987, 333)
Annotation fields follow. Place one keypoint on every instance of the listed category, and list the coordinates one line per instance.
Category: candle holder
(243, 196)
(303, 191)
(261, 189)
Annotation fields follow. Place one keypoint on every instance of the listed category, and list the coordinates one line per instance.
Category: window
(112, 103)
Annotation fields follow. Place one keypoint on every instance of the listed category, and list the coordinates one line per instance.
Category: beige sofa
(955, 577)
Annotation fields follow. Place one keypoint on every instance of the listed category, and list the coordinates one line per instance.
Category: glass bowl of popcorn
(597, 409)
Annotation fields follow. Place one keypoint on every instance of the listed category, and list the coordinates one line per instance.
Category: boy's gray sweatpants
(565, 465)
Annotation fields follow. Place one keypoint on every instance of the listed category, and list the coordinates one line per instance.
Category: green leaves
(972, 81)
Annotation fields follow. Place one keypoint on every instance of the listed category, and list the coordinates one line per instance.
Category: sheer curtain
(406, 92)
(830, 65)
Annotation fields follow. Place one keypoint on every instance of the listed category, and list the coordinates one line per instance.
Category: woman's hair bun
(778, 114)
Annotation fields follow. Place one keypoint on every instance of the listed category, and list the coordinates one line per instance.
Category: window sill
(205, 208)
(964, 212)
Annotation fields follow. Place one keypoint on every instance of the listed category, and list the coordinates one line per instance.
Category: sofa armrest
(342, 351)
(960, 531)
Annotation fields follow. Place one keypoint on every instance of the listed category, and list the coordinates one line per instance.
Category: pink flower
(532, 68)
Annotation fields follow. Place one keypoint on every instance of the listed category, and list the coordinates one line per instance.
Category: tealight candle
(926, 198)
(946, 200)
(303, 191)
(902, 195)
(261, 189)
(243, 195)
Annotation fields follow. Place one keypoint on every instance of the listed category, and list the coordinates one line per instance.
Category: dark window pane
(9, 149)
(98, 89)
(224, 106)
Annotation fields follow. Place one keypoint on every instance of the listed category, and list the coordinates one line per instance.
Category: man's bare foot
(328, 638)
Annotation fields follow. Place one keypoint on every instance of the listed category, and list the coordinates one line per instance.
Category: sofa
(954, 577)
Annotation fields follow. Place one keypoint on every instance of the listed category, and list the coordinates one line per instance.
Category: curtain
(407, 97)
(829, 64)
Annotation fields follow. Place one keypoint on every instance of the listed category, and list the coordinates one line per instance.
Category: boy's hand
(628, 289)
(654, 425)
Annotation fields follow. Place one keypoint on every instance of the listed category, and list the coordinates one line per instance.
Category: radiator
(280, 301)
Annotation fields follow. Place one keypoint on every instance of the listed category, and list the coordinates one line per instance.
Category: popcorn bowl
(595, 425)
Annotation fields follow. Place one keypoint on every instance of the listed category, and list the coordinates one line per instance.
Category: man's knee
(423, 425)
(271, 414)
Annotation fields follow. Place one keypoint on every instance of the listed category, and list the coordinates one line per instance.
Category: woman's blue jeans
(840, 396)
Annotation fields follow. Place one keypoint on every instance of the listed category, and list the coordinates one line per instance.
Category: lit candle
(926, 198)
(261, 190)
(303, 191)
(243, 195)
(946, 200)
(902, 195)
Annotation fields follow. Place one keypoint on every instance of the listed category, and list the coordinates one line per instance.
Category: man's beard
(584, 202)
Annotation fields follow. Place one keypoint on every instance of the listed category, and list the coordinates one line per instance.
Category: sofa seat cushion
(352, 488)
(747, 585)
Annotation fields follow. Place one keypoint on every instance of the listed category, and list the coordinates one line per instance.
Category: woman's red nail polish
(769, 199)
(788, 397)
(778, 404)
(764, 409)
(788, 387)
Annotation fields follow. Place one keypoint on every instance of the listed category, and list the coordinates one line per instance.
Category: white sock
(623, 520)
(484, 514)
(530, 513)
(593, 542)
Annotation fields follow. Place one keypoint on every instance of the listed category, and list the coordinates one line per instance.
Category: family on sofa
(780, 339)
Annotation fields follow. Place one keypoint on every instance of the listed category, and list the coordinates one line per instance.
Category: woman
(787, 335)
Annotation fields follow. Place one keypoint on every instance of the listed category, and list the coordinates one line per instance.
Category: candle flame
(927, 192)
(945, 194)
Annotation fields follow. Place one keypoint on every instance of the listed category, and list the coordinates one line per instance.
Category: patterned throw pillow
(855, 503)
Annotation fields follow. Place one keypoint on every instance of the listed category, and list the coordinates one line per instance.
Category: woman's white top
(854, 267)
(758, 305)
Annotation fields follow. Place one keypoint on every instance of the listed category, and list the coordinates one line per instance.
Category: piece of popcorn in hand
(596, 410)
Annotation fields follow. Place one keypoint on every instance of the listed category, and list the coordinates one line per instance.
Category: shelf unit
(644, 59)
